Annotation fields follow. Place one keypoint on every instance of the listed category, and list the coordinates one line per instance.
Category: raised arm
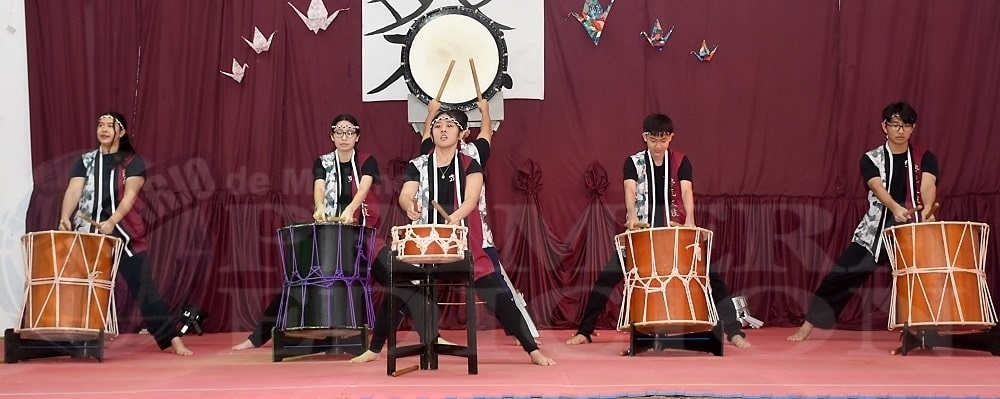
(486, 128)
(433, 106)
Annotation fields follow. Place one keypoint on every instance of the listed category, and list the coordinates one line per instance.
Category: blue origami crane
(593, 18)
(656, 37)
(703, 53)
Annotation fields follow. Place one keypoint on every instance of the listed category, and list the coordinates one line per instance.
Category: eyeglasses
(344, 131)
(899, 127)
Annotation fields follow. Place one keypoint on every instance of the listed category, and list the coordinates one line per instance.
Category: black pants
(612, 275)
(491, 289)
(159, 320)
(262, 333)
(853, 267)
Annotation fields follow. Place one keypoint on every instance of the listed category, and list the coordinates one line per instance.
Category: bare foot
(739, 342)
(540, 359)
(366, 357)
(802, 333)
(243, 345)
(578, 339)
(442, 341)
(177, 346)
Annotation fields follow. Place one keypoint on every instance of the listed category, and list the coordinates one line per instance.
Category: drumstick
(90, 221)
(335, 219)
(475, 79)
(444, 82)
(934, 208)
(405, 370)
(440, 209)
(640, 225)
(914, 210)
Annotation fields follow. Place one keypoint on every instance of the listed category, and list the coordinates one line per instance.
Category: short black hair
(657, 124)
(901, 110)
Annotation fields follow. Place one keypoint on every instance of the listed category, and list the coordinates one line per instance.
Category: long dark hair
(121, 125)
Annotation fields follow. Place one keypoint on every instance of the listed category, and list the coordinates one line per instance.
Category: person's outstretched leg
(503, 307)
(265, 327)
(136, 272)
(412, 303)
(727, 311)
(853, 267)
(598, 300)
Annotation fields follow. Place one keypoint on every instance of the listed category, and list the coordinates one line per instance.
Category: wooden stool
(427, 281)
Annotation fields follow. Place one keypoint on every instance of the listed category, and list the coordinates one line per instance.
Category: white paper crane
(238, 71)
(259, 44)
(317, 17)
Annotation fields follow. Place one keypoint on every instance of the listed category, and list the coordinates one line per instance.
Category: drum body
(430, 243)
(327, 281)
(939, 279)
(454, 33)
(69, 290)
(666, 280)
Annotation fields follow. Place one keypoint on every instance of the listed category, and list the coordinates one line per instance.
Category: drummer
(480, 150)
(341, 191)
(115, 206)
(455, 181)
(901, 178)
(645, 173)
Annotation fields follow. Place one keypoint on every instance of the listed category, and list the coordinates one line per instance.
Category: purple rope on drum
(327, 279)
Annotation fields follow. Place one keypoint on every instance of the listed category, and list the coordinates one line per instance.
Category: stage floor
(830, 364)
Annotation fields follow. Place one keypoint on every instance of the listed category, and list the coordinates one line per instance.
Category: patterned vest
(646, 186)
(876, 219)
(131, 229)
(368, 215)
(426, 164)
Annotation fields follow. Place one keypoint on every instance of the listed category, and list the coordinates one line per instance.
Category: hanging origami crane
(238, 71)
(593, 18)
(259, 44)
(317, 17)
(703, 53)
(656, 37)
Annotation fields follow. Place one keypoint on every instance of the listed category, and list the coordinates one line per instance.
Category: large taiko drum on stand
(327, 280)
(69, 293)
(430, 243)
(939, 278)
(454, 33)
(666, 280)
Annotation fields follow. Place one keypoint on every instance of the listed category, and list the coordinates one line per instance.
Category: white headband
(114, 119)
(448, 118)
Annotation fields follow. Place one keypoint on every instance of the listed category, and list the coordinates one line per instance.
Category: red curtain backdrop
(774, 125)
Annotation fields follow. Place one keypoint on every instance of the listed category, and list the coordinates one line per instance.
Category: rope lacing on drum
(92, 281)
(633, 279)
(914, 273)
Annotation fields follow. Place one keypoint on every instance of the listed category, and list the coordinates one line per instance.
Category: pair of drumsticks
(440, 209)
(918, 208)
(447, 74)
(332, 219)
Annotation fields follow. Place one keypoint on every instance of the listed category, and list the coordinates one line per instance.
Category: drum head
(454, 33)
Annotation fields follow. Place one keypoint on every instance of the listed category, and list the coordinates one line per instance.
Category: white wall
(15, 155)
